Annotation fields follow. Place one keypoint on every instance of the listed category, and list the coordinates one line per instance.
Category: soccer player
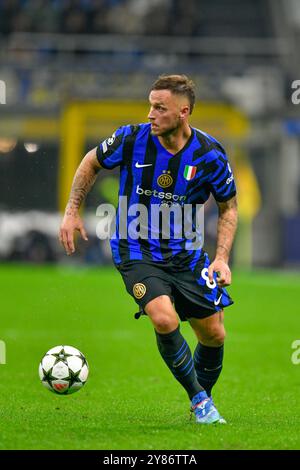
(168, 164)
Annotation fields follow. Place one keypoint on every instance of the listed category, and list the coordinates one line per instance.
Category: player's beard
(170, 130)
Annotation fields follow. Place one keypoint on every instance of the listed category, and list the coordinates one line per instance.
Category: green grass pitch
(131, 401)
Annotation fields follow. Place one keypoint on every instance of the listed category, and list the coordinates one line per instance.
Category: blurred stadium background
(74, 70)
(71, 72)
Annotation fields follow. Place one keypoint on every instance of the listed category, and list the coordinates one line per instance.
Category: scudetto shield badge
(189, 172)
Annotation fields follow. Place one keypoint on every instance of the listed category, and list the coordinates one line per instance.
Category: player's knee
(164, 323)
(219, 338)
(215, 336)
(162, 314)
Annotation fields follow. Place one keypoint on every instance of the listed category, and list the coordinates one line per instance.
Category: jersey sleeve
(221, 181)
(110, 151)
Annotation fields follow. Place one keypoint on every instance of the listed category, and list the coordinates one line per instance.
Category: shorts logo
(216, 302)
(139, 290)
(165, 179)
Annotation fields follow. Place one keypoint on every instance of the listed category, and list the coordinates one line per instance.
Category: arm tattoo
(227, 224)
(84, 179)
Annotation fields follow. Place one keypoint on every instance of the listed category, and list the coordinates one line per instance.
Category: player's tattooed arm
(227, 224)
(84, 179)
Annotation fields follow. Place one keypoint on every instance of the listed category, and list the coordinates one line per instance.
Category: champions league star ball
(63, 370)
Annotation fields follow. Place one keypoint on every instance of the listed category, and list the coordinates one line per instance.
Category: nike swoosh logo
(138, 165)
(216, 302)
(216, 368)
(181, 362)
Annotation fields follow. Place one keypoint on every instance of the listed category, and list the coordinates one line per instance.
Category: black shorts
(186, 283)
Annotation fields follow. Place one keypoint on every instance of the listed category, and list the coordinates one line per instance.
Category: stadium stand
(245, 56)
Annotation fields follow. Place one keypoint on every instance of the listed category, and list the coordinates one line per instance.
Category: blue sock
(177, 355)
(208, 365)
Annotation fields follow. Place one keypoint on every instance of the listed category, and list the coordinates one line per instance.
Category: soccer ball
(63, 370)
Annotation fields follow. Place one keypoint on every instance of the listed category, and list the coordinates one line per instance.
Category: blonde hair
(177, 84)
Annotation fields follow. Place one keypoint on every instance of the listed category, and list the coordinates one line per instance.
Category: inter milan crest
(139, 290)
(189, 172)
(165, 179)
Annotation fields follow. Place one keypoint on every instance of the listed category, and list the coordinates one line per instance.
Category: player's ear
(184, 112)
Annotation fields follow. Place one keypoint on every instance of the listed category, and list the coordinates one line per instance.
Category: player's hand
(70, 224)
(223, 272)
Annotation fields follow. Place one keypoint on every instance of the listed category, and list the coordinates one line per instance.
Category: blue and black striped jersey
(153, 177)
